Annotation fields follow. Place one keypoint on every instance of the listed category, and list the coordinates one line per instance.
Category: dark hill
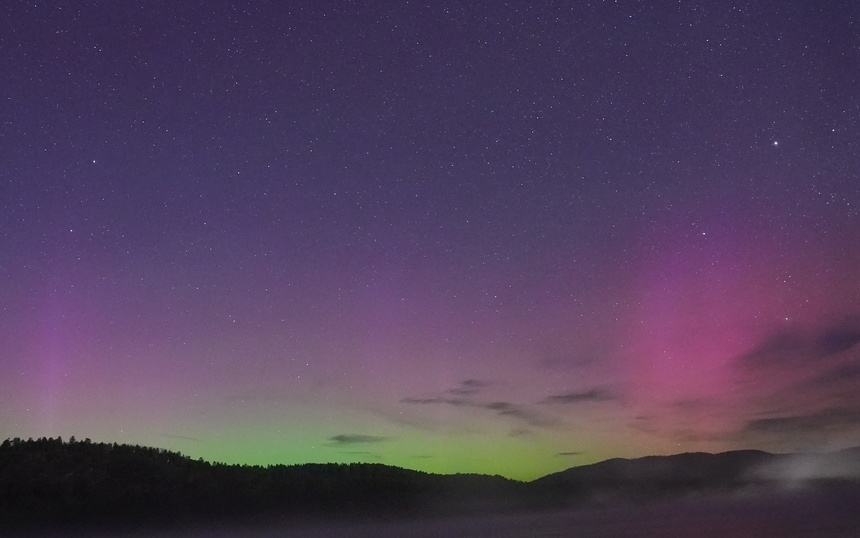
(48, 481)
(654, 476)
(51, 482)
(697, 473)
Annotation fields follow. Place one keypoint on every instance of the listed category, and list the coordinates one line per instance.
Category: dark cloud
(468, 387)
(836, 340)
(355, 439)
(475, 383)
(566, 454)
(820, 366)
(508, 409)
(791, 347)
(593, 395)
(457, 402)
(834, 418)
(846, 375)
(423, 401)
(776, 349)
(504, 408)
(501, 408)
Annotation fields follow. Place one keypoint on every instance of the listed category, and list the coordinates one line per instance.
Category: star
(462, 202)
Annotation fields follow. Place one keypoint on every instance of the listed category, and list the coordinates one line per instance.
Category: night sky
(496, 237)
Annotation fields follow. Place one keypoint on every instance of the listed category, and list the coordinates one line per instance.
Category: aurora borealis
(495, 237)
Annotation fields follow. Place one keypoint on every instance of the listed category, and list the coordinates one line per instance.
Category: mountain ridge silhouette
(47, 482)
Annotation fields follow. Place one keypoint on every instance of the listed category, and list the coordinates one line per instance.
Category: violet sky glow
(460, 237)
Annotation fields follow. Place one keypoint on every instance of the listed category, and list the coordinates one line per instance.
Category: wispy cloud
(588, 396)
(437, 400)
(802, 384)
(501, 408)
(508, 409)
(805, 431)
(355, 439)
(468, 387)
(776, 349)
(817, 370)
(794, 346)
(846, 374)
(836, 340)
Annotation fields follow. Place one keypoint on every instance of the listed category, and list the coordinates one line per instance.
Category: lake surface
(738, 516)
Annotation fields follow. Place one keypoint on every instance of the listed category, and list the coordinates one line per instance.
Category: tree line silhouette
(51, 482)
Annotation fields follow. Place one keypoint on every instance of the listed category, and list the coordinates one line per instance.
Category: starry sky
(496, 237)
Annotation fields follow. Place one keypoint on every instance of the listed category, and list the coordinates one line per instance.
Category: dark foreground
(788, 514)
(51, 488)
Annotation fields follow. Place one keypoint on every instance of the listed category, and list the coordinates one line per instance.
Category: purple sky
(501, 237)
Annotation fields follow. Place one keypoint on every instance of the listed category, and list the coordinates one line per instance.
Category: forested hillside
(52, 481)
